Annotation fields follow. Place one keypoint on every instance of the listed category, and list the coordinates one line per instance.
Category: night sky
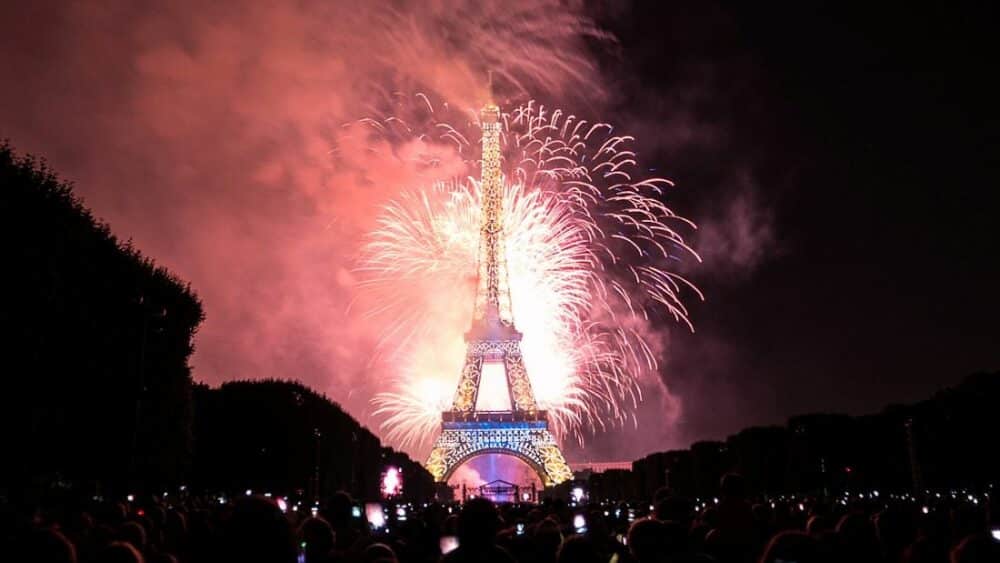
(866, 140)
(841, 163)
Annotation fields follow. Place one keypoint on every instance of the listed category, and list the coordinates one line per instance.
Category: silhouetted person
(48, 546)
(792, 546)
(339, 516)
(547, 540)
(120, 552)
(600, 535)
(258, 532)
(924, 551)
(674, 508)
(856, 539)
(735, 528)
(578, 549)
(703, 524)
(967, 520)
(673, 541)
(976, 548)
(378, 553)
(896, 529)
(478, 524)
(647, 540)
(818, 525)
(133, 533)
(317, 536)
(763, 526)
(175, 532)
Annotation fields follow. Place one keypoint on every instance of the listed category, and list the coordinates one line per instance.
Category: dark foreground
(936, 527)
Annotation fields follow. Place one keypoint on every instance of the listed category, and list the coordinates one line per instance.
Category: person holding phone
(478, 524)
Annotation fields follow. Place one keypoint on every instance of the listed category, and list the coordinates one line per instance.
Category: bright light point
(248, 492)
(131, 498)
(448, 544)
(282, 505)
(925, 510)
(375, 515)
(392, 482)
(579, 522)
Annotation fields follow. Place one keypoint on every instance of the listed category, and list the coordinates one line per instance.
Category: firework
(591, 249)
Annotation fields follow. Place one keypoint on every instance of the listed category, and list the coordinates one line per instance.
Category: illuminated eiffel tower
(521, 430)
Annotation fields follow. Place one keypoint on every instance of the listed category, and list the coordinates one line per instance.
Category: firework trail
(591, 248)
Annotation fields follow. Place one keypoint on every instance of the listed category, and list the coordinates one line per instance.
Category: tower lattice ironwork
(523, 430)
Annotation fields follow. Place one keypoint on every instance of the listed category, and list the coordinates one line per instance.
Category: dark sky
(866, 138)
(840, 162)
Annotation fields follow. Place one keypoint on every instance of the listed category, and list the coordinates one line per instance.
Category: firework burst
(591, 249)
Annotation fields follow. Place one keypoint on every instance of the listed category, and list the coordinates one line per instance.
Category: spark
(590, 245)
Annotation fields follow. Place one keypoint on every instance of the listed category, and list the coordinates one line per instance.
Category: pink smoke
(212, 135)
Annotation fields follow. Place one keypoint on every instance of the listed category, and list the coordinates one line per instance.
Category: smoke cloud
(739, 236)
(212, 134)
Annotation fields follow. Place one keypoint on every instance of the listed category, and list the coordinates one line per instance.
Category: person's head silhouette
(478, 523)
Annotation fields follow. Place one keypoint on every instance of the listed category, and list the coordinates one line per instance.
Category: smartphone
(580, 523)
(356, 511)
(622, 539)
(995, 532)
(375, 515)
(519, 528)
(448, 544)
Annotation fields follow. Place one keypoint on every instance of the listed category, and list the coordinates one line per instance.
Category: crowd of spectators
(730, 529)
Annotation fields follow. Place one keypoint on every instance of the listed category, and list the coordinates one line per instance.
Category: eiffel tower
(522, 430)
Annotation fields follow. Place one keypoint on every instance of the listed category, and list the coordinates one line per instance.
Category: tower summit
(521, 430)
(493, 304)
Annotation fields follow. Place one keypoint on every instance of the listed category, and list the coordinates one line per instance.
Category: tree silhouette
(97, 341)
(942, 442)
(98, 387)
(277, 435)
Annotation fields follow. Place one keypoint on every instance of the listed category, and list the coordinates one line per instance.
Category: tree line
(99, 393)
(943, 442)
